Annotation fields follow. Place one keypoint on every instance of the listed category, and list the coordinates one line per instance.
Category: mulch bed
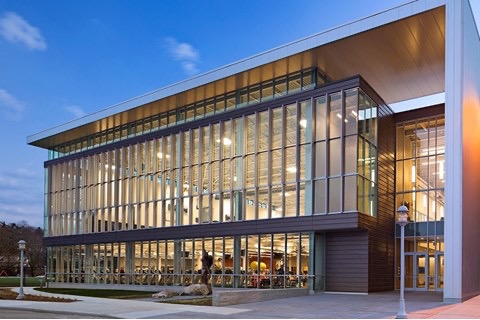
(7, 294)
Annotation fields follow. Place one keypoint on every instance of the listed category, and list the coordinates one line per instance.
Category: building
(287, 167)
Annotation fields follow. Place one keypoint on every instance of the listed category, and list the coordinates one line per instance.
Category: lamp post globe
(402, 221)
(21, 247)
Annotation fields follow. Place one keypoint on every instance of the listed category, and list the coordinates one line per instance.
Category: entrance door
(431, 279)
(421, 274)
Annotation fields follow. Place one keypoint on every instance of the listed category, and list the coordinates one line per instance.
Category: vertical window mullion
(255, 157)
(297, 160)
(342, 150)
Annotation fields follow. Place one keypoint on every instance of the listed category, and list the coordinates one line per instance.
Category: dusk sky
(61, 60)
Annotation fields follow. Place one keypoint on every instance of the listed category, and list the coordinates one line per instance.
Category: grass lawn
(100, 293)
(15, 282)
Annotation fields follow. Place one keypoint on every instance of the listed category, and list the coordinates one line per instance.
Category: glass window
(206, 144)
(335, 115)
(320, 199)
(195, 146)
(230, 103)
(250, 171)
(290, 200)
(238, 136)
(263, 203)
(291, 124)
(320, 118)
(335, 153)
(254, 94)
(215, 176)
(440, 171)
(209, 107)
(305, 122)
(219, 105)
(276, 165)
(350, 154)
(294, 83)
(305, 162)
(263, 131)
(307, 81)
(350, 187)
(277, 202)
(251, 130)
(291, 167)
(335, 194)
(243, 98)
(227, 185)
(199, 110)
(351, 112)
(280, 87)
(320, 159)
(277, 128)
(267, 91)
(218, 142)
(227, 138)
(190, 113)
(263, 168)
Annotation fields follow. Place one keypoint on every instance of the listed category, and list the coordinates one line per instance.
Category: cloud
(189, 67)
(21, 196)
(185, 53)
(10, 107)
(14, 28)
(76, 111)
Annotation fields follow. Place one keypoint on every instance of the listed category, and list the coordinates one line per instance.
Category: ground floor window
(278, 260)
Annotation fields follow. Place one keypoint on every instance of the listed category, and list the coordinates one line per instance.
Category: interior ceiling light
(226, 141)
(303, 123)
(292, 169)
(160, 155)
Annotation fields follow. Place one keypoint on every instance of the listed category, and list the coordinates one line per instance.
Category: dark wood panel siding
(347, 262)
(381, 235)
(420, 113)
(381, 229)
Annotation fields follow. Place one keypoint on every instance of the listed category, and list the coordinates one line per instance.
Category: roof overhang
(399, 52)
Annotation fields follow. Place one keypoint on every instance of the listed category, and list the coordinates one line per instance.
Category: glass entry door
(421, 271)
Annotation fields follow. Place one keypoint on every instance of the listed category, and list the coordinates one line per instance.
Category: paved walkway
(419, 305)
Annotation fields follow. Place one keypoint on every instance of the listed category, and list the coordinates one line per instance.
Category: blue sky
(60, 60)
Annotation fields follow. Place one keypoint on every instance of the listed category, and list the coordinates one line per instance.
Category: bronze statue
(207, 261)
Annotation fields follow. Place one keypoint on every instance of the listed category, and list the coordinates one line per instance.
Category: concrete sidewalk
(419, 305)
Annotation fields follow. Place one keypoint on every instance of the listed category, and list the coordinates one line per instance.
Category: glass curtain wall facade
(314, 156)
(420, 183)
(253, 261)
(260, 92)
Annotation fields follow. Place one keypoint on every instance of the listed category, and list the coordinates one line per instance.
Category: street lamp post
(402, 221)
(21, 247)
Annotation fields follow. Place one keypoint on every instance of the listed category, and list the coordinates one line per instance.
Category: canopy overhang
(399, 52)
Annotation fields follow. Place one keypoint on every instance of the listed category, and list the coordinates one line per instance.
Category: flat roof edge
(334, 34)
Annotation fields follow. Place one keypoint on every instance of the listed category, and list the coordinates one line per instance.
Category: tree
(10, 234)
(8, 249)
